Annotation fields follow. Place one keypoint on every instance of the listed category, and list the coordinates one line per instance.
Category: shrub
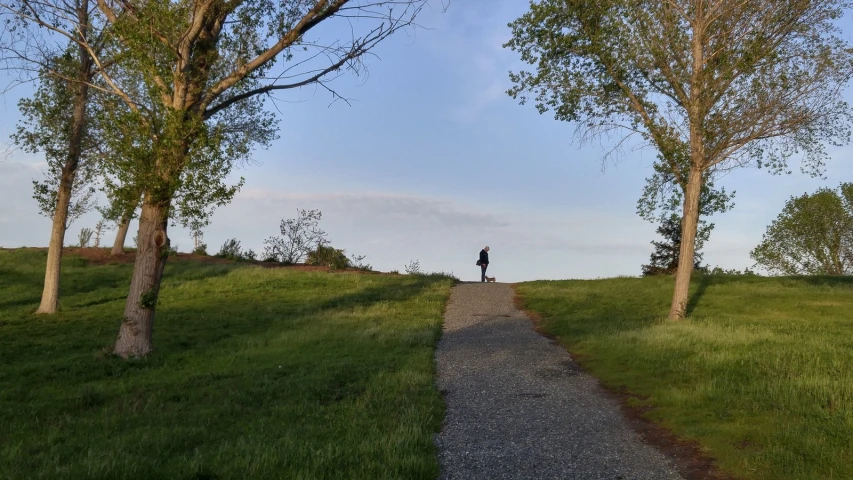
(413, 268)
(231, 250)
(357, 261)
(328, 256)
(85, 237)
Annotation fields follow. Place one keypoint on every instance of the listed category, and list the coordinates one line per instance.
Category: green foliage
(812, 236)
(46, 127)
(328, 256)
(663, 193)
(732, 271)
(201, 249)
(232, 250)
(626, 65)
(712, 86)
(148, 299)
(343, 362)
(664, 258)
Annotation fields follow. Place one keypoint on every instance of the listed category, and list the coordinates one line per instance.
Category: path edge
(687, 456)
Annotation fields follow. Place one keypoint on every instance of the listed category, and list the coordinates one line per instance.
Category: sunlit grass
(761, 374)
(256, 373)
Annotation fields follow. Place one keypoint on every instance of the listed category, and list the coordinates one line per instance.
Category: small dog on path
(490, 279)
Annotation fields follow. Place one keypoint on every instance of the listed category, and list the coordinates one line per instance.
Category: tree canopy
(813, 235)
(753, 82)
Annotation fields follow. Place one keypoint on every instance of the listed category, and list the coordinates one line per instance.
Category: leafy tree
(56, 121)
(812, 236)
(192, 76)
(732, 83)
(299, 236)
(665, 257)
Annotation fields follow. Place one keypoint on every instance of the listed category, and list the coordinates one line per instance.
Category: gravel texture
(519, 407)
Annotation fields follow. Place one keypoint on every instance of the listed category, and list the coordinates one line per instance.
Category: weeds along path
(519, 407)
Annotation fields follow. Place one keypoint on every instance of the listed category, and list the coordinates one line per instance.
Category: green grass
(256, 373)
(761, 374)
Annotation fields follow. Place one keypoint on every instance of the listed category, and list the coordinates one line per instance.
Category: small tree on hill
(665, 258)
(299, 236)
(100, 228)
(812, 236)
(84, 237)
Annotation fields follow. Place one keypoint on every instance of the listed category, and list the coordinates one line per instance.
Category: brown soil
(688, 456)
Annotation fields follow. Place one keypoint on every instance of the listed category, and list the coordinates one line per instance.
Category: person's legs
(483, 272)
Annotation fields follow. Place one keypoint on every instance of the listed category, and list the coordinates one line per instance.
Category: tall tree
(747, 82)
(56, 122)
(203, 64)
(813, 235)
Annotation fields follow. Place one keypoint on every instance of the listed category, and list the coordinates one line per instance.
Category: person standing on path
(484, 263)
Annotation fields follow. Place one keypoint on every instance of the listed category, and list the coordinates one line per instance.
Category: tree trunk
(50, 293)
(121, 236)
(134, 337)
(689, 228)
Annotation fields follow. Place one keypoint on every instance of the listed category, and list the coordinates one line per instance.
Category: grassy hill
(288, 373)
(257, 373)
(761, 375)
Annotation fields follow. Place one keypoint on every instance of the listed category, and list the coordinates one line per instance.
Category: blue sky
(433, 160)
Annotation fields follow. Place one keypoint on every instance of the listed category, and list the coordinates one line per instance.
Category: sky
(432, 160)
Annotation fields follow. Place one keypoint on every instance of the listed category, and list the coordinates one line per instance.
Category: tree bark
(121, 236)
(50, 293)
(689, 228)
(134, 337)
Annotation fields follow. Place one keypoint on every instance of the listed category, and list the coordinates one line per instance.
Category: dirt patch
(689, 458)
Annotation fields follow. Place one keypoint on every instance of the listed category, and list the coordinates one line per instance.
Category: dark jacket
(484, 257)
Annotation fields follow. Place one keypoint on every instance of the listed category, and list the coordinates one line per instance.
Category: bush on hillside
(328, 256)
(232, 251)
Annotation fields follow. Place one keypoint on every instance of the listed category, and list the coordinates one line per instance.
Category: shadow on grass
(831, 281)
(270, 369)
(704, 282)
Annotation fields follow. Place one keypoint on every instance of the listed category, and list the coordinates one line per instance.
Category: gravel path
(518, 407)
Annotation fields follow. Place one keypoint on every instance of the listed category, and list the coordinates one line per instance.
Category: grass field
(761, 375)
(257, 373)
